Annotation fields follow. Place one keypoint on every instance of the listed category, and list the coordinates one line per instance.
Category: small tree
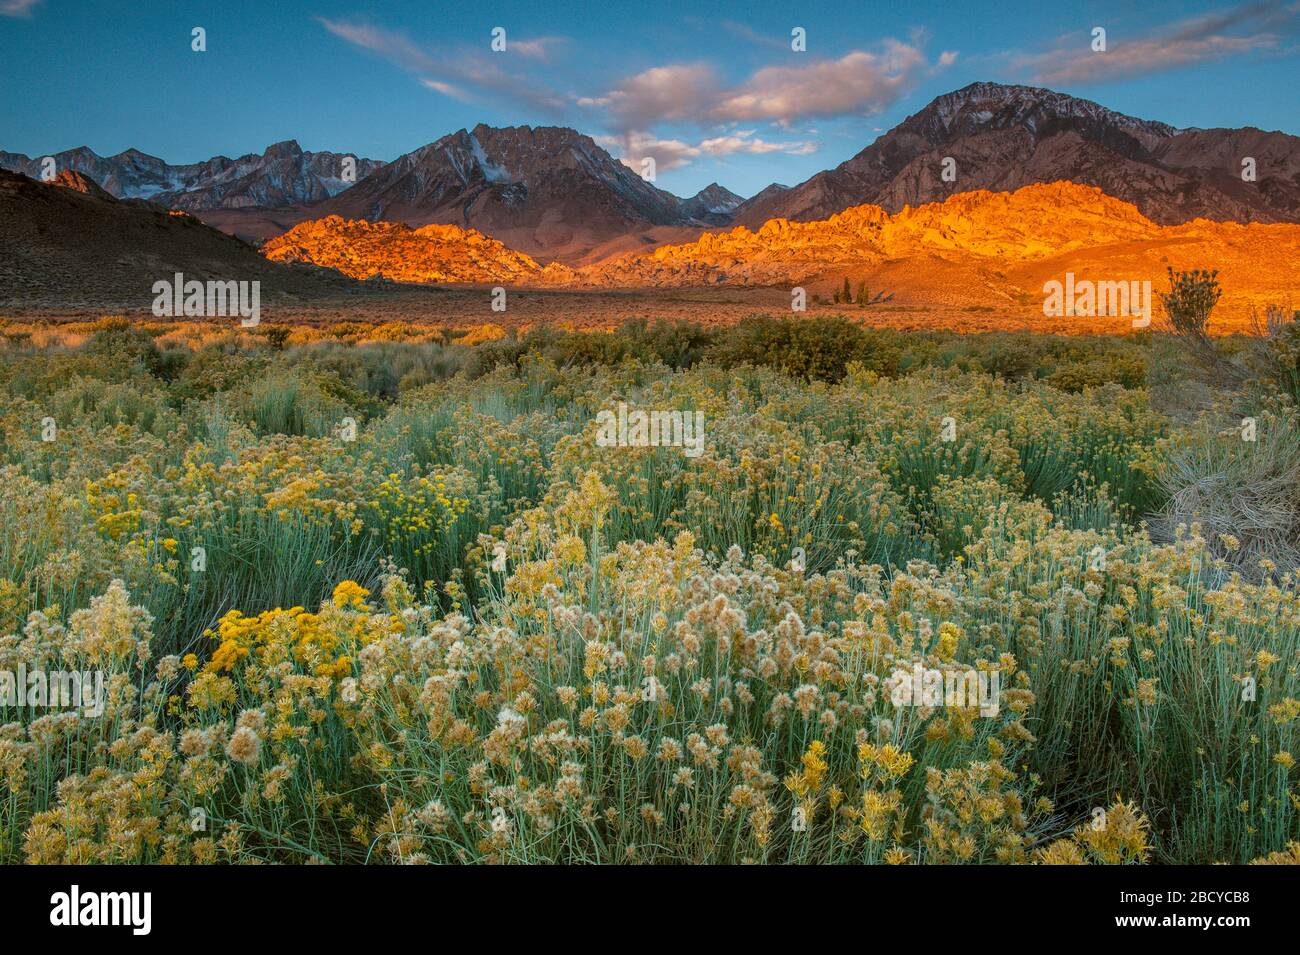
(846, 296)
(1188, 303)
(1190, 299)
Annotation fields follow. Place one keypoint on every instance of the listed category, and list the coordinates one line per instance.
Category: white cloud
(744, 141)
(632, 147)
(446, 89)
(857, 83)
(662, 94)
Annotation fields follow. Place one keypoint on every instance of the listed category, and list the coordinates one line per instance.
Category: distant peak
(1024, 102)
(285, 147)
(991, 88)
(133, 157)
(712, 200)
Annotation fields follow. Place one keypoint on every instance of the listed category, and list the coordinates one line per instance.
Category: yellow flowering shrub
(460, 629)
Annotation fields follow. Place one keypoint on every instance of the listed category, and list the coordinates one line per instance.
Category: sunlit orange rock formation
(980, 247)
(431, 254)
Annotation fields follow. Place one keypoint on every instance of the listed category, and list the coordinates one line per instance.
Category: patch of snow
(334, 185)
(491, 173)
(456, 165)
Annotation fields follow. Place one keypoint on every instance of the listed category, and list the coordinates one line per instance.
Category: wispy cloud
(775, 41)
(446, 89)
(462, 74)
(17, 8)
(540, 48)
(1250, 28)
(744, 141)
(392, 46)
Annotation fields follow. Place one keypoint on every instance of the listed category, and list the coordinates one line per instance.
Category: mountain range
(283, 175)
(555, 194)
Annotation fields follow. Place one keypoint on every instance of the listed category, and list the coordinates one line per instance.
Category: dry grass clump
(1244, 493)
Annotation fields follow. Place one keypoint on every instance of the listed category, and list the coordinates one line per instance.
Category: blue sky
(712, 91)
